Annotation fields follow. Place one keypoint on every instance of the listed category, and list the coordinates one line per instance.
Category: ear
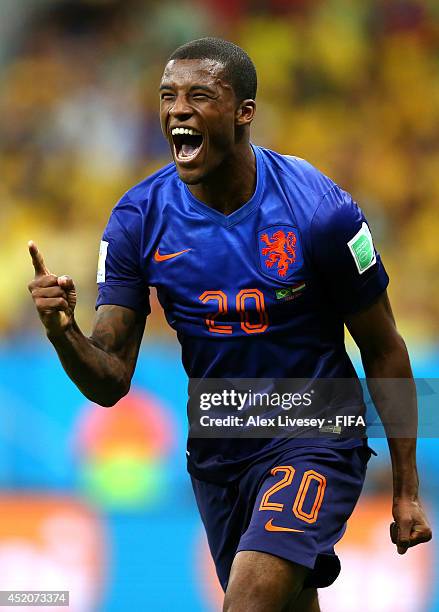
(245, 112)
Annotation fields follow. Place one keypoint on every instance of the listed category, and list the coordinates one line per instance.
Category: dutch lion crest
(280, 250)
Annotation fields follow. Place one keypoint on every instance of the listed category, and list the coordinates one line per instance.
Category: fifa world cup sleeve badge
(361, 248)
(103, 248)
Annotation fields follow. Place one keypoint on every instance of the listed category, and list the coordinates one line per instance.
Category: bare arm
(384, 356)
(101, 366)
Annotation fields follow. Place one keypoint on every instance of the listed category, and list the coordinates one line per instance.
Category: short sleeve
(344, 254)
(119, 277)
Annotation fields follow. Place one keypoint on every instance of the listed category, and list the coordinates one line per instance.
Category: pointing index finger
(37, 260)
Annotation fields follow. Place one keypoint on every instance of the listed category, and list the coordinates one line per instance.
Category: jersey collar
(241, 213)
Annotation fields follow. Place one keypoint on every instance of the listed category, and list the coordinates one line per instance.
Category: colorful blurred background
(97, 501)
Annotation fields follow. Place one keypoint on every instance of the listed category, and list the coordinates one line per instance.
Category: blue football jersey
(260, 293)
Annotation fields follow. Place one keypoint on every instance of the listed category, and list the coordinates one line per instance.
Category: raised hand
(54, 296)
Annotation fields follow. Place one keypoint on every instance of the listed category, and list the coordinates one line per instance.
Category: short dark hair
(239, 69)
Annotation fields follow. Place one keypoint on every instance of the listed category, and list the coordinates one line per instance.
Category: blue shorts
(294, 505)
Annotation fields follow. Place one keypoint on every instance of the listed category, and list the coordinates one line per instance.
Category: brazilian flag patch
(290, 293)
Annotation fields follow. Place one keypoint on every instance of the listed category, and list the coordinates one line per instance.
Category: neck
(232, 184)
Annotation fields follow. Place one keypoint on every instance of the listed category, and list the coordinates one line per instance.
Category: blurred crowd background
(99, 501)
(352, 86)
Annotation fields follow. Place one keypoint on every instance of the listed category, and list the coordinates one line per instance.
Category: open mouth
(187, 143)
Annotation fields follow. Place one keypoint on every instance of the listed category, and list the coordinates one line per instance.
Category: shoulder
(337, 212)
(135, 205)
(139, 195)
(298, 172)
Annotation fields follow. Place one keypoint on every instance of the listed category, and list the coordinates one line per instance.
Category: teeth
(182, 131)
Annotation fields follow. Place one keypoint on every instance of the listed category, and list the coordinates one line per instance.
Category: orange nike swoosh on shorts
(270, 527)
(158, 257)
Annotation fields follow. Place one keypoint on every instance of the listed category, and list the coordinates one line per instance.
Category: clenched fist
(411, 525)
(54, 296)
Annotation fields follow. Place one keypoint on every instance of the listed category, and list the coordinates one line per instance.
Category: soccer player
(259, 260)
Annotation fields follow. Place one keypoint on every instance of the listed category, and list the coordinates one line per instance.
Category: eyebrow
(202, 87)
